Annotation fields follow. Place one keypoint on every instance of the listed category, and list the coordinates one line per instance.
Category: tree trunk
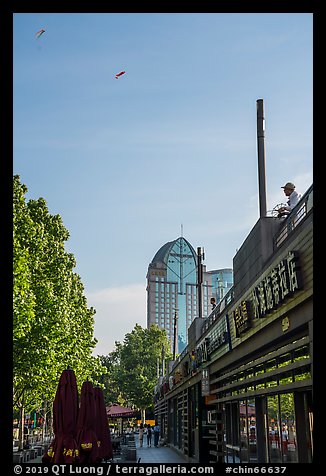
(143, 416)
(21, 428)
(45, 418)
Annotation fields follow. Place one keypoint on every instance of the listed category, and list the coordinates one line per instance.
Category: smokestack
(261, 158)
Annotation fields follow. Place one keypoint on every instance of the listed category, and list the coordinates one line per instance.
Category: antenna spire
(181, 230)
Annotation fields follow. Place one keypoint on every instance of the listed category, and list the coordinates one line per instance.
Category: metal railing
(291, 221)
(214, 315)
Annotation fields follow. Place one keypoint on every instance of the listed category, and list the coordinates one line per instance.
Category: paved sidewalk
(146, 454)
(161, 454)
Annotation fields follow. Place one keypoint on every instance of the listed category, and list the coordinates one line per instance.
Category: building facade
(172, 297)
(241, 391)
(222, 282)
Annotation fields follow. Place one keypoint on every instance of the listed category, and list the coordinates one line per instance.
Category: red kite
(39, 33)
(119, 74)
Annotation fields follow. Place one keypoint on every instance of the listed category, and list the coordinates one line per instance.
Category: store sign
(242, 317)
(283, 280)
(201, 352)
(205, 382)
(216, 339)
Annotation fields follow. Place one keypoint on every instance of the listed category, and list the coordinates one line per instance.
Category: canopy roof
(117, 411)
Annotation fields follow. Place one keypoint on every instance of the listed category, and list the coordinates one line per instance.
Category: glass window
(284, 359)
(273, 423)
(271, 383)
(271, 365)
(288, 429)
(241, 377)
(259, 369)
(244, 431)
(251, 423)
(232, 425)
(285, 380)
(300, 374)
(301, 353)
(250, 373)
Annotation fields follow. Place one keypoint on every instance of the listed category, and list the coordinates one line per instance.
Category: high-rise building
(172, 292)
(222, 282)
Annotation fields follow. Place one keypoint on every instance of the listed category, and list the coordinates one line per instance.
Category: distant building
(172, 290)
(222, 282)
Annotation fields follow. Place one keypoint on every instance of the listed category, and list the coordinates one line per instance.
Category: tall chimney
(261, 158)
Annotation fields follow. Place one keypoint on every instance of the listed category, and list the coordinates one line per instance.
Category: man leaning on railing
(294, 197)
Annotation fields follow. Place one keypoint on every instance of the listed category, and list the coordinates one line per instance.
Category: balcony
(292, 220)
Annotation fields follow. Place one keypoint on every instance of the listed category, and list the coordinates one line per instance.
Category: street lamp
(175, 333)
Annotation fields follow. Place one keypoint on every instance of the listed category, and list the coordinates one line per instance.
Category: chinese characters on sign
(282, 281)
(242, 317)
(205, 382)
(217, 340)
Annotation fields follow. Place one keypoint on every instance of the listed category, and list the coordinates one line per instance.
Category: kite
(119, 74)
(39, 33)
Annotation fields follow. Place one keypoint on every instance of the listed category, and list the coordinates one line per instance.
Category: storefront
(242, 389)
(266, 406)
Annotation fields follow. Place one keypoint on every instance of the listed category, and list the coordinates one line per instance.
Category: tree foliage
(132, 367)
(52, 325)
(109, 380)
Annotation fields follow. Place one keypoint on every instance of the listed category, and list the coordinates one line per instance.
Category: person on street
(149, 435)
(141, 435)
(156, 434)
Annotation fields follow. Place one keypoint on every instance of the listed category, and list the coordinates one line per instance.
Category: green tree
(109, 380)
(52, 325)
(133, 365)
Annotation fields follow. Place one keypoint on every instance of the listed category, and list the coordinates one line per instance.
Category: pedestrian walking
(157, 430)
(149, 435)
(141, 435)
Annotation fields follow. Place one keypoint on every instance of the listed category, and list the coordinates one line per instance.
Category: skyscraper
(172, 290)
(222, 282)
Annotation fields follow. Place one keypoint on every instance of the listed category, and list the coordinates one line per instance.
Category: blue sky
(125, 162)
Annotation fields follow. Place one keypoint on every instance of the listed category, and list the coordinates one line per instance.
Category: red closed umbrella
(86, 435)
(64, 448)
(102, 426)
